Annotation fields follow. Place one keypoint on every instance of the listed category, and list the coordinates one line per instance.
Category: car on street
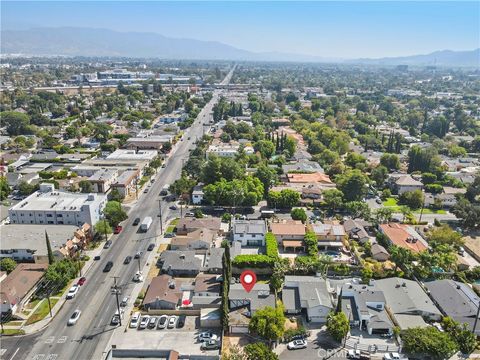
(124, 301)
(136, 221)
(189, 214)
(173, 207)
(118, 229)
(151, 247)
(72, 291)
(162, 322)
(96, 258)
(144, 322)
(74, 318)
(81, 281)
(137, 277)
(107, 244)
(127, 260)
(391, 356)
(297, 344)
(210, 345)
(152, 322)
(353, 354)
(135, 320)
(116, 317)
(108, 266)
(181, 321)
(207, 335)
(172, 321)
(138, 254)
(145, 191)
(378, 201)
(169, 235)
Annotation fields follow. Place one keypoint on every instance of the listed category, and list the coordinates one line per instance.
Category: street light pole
(161, 220)
(118, 302)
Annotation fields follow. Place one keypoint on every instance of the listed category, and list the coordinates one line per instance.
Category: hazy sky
(329, 29)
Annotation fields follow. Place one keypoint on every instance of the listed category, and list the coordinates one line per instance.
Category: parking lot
(184, 340)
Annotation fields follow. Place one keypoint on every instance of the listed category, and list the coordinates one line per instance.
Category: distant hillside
(72, 41)
(440, 58)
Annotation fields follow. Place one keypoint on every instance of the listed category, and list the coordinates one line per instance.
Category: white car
(74, 318)
(137, 277)
(297, 344)
(72, 292)
(144, 322)
(162, 322)
(134, 320)
(391, 356)
(207, 335)
(172, 322)
(353, 354)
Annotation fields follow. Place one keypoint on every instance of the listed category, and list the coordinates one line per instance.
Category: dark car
(127, 260)
(138, 254)
(96, 257)
(107, 244)
(173, 207)
(181, 321)
(108, 266)
(151, 247)
(136, 221)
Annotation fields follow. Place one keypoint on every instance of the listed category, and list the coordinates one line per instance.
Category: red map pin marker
(248, 280)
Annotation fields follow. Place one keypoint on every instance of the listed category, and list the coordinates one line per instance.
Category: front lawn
(390, 202)
(42, 311)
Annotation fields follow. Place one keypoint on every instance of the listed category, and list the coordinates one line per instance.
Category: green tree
(51, 259)
(338, 325)
(413, 199)
(115, 195)
(267, 176)
(401, 257)
(333, 199)
(299, 214)
(25, 188)
(358, 209)
(390, 161)
(367, 274)
(114, 213)
(379, 175)
(265, 147)
(354, 159)
(184, 185)
(428, 341)
(269, 323)
(383, 215)
(4, 188)
(444, 235)
(258, 351)
(353, 185)
(85, 186)
(16, 123)
(103, 227)
(311, 244)
(8, 265)
(167, 147)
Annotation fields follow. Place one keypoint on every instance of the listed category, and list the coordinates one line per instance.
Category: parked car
(391, 356)
(378, 201)
(127, 260)
(144, 322)
(210, 345)
(118, 229)
(72, 292)
(108, 266)
(136, 221)
(74, 318)
(137, 277)
(353, 354)
(172, 322)
(145, 191)
(107, 244)
(152, 322)
(181, 321)
(138, 254)
(173, 207)
(189, 214)
(461, 251)
(207, 335)
(169, 235)
(96, 258)
(151, 247)
(162, 322)
(297, 344)
(115, 319)
(135, 320)
(81, 281)
(124, 301)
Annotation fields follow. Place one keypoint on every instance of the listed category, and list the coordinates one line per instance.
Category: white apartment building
(50, 206)
(227, 150)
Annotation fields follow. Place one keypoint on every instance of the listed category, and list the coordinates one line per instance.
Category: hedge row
(271, 245)
(254, 261)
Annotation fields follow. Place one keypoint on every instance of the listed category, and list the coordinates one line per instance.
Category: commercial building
(140, 155)
(103, 179)
(126, 182)
(50, 206)
(154, 142)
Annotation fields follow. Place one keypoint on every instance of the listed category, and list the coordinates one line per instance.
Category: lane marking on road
(15, 353)
(2, 351)
(62, 340)
(50, 340)
(52, 357)
(39, 357)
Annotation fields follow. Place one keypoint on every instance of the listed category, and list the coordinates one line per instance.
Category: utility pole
(161, 220)
(181, 210)
(115, 287)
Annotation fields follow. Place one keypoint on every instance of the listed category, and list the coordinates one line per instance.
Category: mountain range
(73, 41)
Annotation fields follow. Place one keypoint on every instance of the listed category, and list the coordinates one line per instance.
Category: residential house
(404, 236)
(364, 305)
(197, 194)
(199, 240)
(289, 234)
(126, 183)
(18, 286)
(355, 228)
(304, 166)
(249, 232)
(188, 225)
(162, 293)
(407, 302)
(207, 285)
(315, 177)
(308, 294)
(103, 179)
(456, 300)
(330, 236)
(257, 298)
(213, 263)
(379, 253)
(404, 183)
(179, 263)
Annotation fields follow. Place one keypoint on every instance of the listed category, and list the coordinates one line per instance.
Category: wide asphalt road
(89, 337)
